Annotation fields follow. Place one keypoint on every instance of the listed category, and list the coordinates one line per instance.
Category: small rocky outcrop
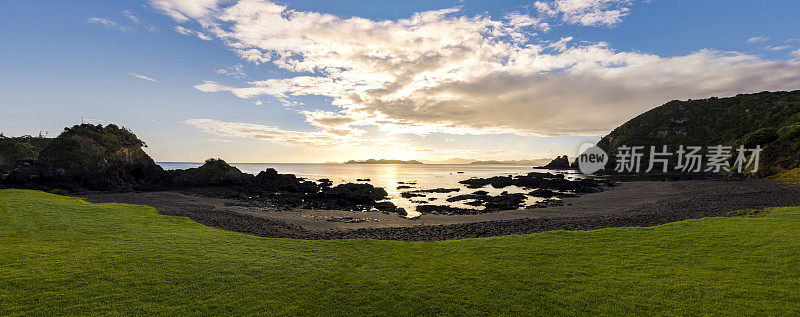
(446, 210)
(559, 163)
(504, 201)
(547, 193)
(537, 180)
(215, 172)
(356, 193)
(270, 180)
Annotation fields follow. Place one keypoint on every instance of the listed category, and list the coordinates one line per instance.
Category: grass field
(61, 255)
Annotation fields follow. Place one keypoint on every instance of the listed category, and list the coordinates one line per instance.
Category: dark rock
(547, 193)
(271, 180)
(559, 163)
(467, 197)
(504, 201)
(308, 187)
(355, 193)
(411, 194)
(402, 212)
(386, 206)
(215, 172)
(537, 180)
(436, 190)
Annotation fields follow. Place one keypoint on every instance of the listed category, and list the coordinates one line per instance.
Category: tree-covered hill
(768, 119)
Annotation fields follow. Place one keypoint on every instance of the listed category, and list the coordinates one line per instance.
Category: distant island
(374, 161)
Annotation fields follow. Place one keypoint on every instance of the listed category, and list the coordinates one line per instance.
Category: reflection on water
(390, 176)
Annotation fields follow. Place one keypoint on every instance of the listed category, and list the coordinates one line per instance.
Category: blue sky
(338, 80)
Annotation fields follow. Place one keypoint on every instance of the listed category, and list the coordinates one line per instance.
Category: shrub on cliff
(13, 149)
(98, 157)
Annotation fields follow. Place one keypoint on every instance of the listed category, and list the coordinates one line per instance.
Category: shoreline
(636, 203)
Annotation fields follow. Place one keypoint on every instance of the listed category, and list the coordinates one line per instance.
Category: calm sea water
(390, 176)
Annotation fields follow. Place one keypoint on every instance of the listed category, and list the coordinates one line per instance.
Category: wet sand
(630, 204)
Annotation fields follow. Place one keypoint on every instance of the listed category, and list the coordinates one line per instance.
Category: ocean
(390, 176)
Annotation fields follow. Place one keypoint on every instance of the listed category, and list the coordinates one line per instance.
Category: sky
(317, 81)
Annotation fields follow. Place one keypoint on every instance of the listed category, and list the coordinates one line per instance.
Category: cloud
(518, 20)
(131, 28)
(777, 48)
(586, 12)
(128, 14)
(185, 31)
(796, 54)
(142, 77)
(258, 103)
(110, 24)
(183, 10)
(267, 133)
(212, 86)
(757, 39)
(442, 71)
(235, 71)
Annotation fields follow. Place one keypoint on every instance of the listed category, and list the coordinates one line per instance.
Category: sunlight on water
(390, 176)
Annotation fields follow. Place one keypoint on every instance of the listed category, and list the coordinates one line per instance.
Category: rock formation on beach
(89, 156)
(110, 158)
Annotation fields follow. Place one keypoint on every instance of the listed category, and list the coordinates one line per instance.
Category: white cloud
(267, 133)
(134, 25)
(211, 86)
(183, 10)
(235, 71)
(519, 20)
(258, 103)
(757, 39)
(586, 12)
(777, 48)
(142, 77)
(185, 31)
(796, 53)
(440, 71)
(111, 24)
(131, 16)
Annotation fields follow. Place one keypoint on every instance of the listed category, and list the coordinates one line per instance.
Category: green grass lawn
(61, 255)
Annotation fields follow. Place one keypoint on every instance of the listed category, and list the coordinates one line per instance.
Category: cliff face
(768, 119)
